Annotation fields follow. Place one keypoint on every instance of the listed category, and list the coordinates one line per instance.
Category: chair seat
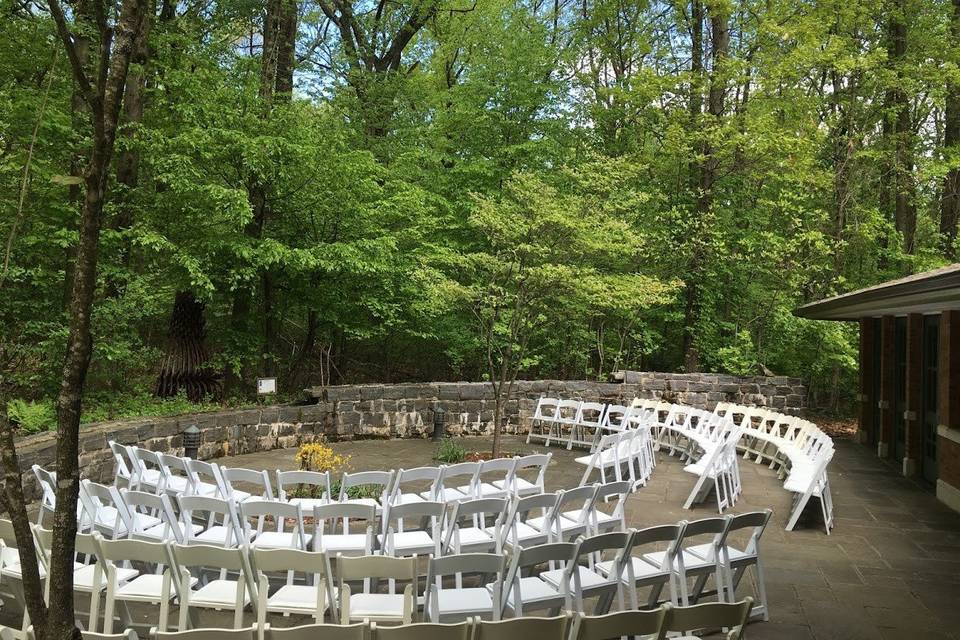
(83, 577)
(176, 484)
(332, 543)
(491, 490)
(150, 477)
(162, 531)
(408, 541)
(588, 578)
(474, 536)
(410, 498)
(377, 606)
(641, 569)
(307, 504)
(607, 458)
(209, 490)
(449, 494)
(146, 587)
(298, 598)
(218, 535)
(145, 521)
(280, 540)
(521, 485)
(367, 502)
(600, 517)
(524, 533)
(702, 551)
(218, 593)
(690, 561)
(240, 496)
(532, 591)
(464, 601)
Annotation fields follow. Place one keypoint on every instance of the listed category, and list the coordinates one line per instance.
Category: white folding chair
(456, 482)
(176, 477)
(105, 508)
(412, 529)
(347, 542)
(736, 561)
(633, 624)
(258, 481)
(651, 569)
(492, 480)
(48, 495)
(374, 606)
(475, 526)
(152, 586)
(516, 533)
(516, 485)
(579, 500)
(710, 615)
(526, 628)
(204, 592)
(688, 565)
(375, 481)
(605, 458)
(244, 633)
(305, 488)
(148, 470)
(218, 520)
(357, 631)
(255, 514)
(589, 417)
(531, 592)
(544, 419)
(445, 604)
(420, 477)
(145, 508)
(89, 578)
(598, 520)
(312, 596)
(204, 479)
(585, 580)
(122, 467)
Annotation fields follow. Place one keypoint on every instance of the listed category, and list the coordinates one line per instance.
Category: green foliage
(520, 196)
(31, 417)
(450, 451)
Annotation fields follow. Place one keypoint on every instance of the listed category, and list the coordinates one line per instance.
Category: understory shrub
(450, 451)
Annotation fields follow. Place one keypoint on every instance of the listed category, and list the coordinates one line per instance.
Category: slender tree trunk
(691, 356)
(104, 100)
(905, 211)
(950, 199)
(707, 172)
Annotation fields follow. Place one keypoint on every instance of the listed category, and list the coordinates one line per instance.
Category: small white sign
(266, 385)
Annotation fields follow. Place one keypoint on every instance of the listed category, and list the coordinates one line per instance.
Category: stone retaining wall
(392, 411)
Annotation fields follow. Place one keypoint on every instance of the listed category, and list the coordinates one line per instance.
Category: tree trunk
(185, 366)
(104, 100)
(691, 358)
(905, 210)
(950, 199)
(128, 161)
(707, 172)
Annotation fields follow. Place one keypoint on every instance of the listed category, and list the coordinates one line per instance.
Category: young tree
(542, 251)
(102, 93)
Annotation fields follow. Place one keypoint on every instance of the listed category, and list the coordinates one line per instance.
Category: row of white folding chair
(585, 421)
(706, 441)
(626, 455)
(155, 472)
(655, 624)
(800, 448)
(588, 575)
(437, 528)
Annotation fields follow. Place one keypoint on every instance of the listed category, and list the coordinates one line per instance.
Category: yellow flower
(319, 457)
